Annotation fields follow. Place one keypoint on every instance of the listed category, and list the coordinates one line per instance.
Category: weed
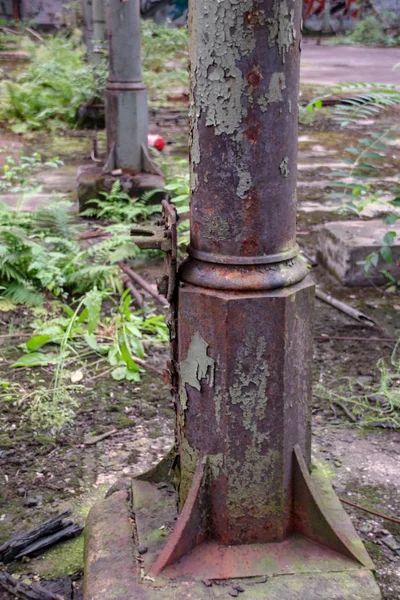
(116, 337)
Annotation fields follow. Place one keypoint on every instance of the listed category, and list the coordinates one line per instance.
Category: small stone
(142, 549)
(31, 502)
(207, 582)
(234, 593)
(366, 528)
(162, 485)
(391, 543)
(21, 491)
(238, 587)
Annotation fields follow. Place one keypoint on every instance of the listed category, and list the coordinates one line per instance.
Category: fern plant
(118, 207)
(48, 94)
(40, 253)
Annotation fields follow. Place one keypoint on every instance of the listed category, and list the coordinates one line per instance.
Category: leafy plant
(119, 207)
(116, 337)
(19, 175)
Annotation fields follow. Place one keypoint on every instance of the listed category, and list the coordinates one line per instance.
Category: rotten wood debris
(35, 541)
(25, 591)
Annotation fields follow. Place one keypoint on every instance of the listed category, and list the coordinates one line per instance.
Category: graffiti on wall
(342, 11)
(170, 11)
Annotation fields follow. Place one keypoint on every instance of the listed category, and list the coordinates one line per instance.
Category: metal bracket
(164, 236)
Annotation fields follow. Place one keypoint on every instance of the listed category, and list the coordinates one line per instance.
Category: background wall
(54, 12)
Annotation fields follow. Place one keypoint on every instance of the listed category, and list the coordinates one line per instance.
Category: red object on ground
(156, 141)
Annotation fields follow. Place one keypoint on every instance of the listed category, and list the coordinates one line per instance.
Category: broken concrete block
(343, 244)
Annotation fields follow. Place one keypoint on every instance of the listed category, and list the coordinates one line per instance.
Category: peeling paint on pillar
(284, 167)
(231, 87)
(282, 29)
(195, 368)
(249, 389)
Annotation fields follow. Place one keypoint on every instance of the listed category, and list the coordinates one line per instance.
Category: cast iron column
(248, 503)
(99, 30)
(126, 96)
(245, 313)
(87, 17)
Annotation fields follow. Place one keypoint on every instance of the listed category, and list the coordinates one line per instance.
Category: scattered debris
(99, 438)
(345, 308)
(143, 284)
(370, 511)
(345, 410)
(24, 591)
(33, 542)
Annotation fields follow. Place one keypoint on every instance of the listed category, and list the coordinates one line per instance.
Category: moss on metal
(246, 484)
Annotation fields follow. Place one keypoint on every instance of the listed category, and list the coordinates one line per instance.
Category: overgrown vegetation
(373, 30)
(165, 60)
(355, 189)
(117, 207)
(45, 261)
(48, 93)
(369, 405)
(58, 78)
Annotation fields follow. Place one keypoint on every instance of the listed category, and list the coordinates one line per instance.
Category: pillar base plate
(126, 541)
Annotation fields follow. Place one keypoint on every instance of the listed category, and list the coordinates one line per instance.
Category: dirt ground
(322, 64)
(41, 476)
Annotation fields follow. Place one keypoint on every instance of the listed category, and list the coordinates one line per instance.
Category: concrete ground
(327, 65)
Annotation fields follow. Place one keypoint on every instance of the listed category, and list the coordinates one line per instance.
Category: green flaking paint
(282, 30)
(284, 167)
(249, 389)
(196, 366)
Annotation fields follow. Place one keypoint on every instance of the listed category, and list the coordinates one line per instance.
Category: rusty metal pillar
(246, 406)
(126, 111)
(248, 503)
(87, 22)
(99, 30)
(125, 94)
